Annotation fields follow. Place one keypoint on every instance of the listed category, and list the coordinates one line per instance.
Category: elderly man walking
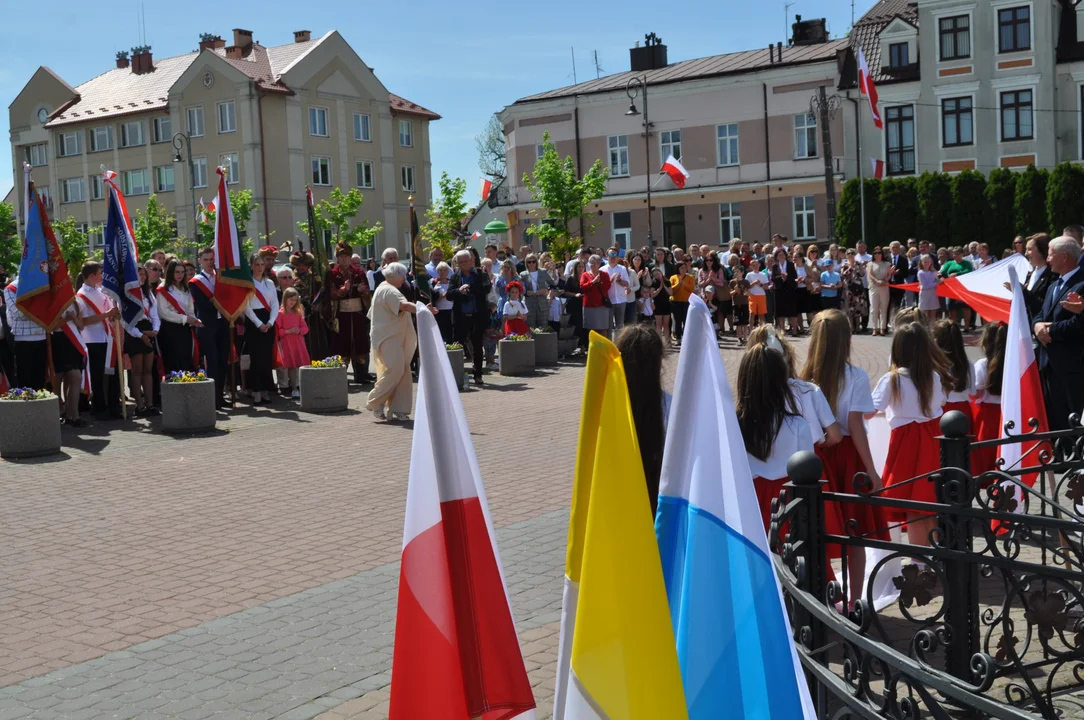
(468, 289)
(393, 341)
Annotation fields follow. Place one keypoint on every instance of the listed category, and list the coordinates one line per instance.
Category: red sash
(76, 339)
(277, 359)
(4, 386)
(200, 283)
(110, 342)
(163, 292)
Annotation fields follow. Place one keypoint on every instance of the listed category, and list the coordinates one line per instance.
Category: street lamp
(181, 141)
(633, 88)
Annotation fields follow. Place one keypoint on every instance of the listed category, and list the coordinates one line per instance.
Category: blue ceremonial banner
(120, 277)
(44, 289)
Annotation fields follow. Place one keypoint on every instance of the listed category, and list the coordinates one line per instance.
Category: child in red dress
(291, 329)
(515, 311)
(989, 372)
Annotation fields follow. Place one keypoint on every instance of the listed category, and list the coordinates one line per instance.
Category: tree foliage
(1000, 219)
(73, 244)
(849, 211)
(934, 191)
(491, 149)
(1065, 197)
(562, 193)
(968, 206)
(899, 210)
(11, 248)
(444, 220)
(336, 214)
(154, 229)
(1029, 205)
(242, 205)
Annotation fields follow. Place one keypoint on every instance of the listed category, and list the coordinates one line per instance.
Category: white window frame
(233, 162)
(159, 186)
(727, 134)
(360, 168)
(618, 148)
(93, 135)
(406, 139)
(668, 143)
(194, 112)
(97, 187)
(623, 232)
(41, 149)
(62, 142)
(996, 7)
(954, 13)
(159, 135)
(66, 187)
(228, 122)
(199, 172)
(731, 221)
(808, 211)
(1015, 84)
(126, 140)
(363, 127)
(409, 178)
(809, 131)
(129, 189)
(315, 112)
(320, 167)
(1001, 116)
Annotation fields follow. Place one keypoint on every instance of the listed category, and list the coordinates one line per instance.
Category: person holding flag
(213, 335)
(98, 315)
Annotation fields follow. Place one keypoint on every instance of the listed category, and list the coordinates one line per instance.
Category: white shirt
(906, 408)
(854, 396)
(965, 395)
(634, 287)
(982, 380)
(94, 332)
(532, 276)
(23, 329)
(150, 307)
(515, 308)
(443, 303)
(816, 411)
(756, 281)
(430, 269)
(266, 288)
(793, 436)
(167, 313)
(617, 292)
(865, 259)
(1036, 273)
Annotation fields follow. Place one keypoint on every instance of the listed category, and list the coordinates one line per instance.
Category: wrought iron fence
(989, 620)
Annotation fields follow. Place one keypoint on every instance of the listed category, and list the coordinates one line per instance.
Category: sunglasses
(532, 262)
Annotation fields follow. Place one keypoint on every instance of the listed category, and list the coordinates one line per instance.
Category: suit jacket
(206, 312)
(544, 282)
(480, 286)
(1065, 353)
(1035, 297)
(785, 276)
(903, 269)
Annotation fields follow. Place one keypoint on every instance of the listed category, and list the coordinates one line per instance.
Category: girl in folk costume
(139, 346)
(349, 291)
(950, 340)
(989, 373)
(847, 389)
(291, 329)
(177, 333)
(261, 313)
(911, 394)
(515, 311)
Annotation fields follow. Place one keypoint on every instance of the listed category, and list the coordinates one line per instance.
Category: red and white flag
(675, 170)
(878, 168)
(456, 652)
(865, 84)
(476, 234)
(485, 187)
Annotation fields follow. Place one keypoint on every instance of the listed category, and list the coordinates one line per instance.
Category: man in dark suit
(1061, 336)
(214, 336)
(468, 289)
(900, 266)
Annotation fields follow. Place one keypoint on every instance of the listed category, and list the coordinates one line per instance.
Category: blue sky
(464, 61)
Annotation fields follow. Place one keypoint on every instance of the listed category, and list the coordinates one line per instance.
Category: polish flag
(865, 84)
(476, 234)
(456, 652)
(486, 186)
(675, 170)
(878, 168)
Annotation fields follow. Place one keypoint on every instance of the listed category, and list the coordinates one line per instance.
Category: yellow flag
(617, 654)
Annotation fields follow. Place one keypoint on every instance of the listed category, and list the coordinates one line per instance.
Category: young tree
(154, 229)
(444, 220)
(1029, 205)
(11, 247)
(1000, 220)
(73, 244)
(491, 149)
(849, 212)
(899, 209)
(934, 192)
(242, 205)
(563, 195)
(1065, 197)
(968, 207)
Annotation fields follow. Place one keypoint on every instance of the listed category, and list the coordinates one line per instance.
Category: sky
(463, 61)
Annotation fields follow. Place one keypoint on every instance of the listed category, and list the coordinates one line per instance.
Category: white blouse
(793, 436)
(982, 380)
(816, 411)
(515, 308)
(964, 395)
(266, 288)
(906, 408)
(167, 312)
(854, 396)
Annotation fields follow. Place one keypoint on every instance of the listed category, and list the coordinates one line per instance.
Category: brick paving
(139, 556)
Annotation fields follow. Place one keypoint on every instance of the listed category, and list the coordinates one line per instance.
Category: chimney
(122, 59)
(301, 36)
(651, 56)
(142, 62)
(235, 53)
(809, 32)
(242, 39)
(210, 41)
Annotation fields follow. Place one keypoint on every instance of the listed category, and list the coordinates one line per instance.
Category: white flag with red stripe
(456, 652)
(675, 170)
(485, 188)
(865, 84)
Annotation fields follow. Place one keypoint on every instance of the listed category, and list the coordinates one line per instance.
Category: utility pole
(574, 80)
(823, 107)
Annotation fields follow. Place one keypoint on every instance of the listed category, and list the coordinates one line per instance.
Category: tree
(899, 210)
(154, 229)
(444, 220)
(563, 195)
(1029, 205)
(849, 212)
(336, 213)
(11, 248)
(968, 206)
(1064, 196)
(1000, 220)
(934, 191)
(73, 244)
(243, 207)
(491, 149)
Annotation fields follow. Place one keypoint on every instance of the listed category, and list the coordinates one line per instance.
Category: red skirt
(768, 490)
(987, 427)
(964, 407)
(841, 463)
(913, 450)
(516, 326)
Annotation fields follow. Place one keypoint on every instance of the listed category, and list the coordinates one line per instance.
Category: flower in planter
(518, 338)
(335, 361)
(453, 346)
(186, 376)
(541, 330)
(26, 394)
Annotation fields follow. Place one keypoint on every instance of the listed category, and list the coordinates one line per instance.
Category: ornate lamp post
(633, 88)
(823, 107)
(181, 141)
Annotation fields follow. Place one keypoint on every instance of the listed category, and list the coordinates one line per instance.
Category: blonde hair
(289, 293)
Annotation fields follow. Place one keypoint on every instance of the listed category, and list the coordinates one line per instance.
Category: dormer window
(898, 55)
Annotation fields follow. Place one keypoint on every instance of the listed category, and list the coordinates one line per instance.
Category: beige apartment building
(740, 123)
(309, 112)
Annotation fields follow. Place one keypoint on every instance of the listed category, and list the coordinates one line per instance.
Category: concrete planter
(456, 359)
(323, 390)
(545, 348)
(188, 407)
(517, 357)
(29, 428)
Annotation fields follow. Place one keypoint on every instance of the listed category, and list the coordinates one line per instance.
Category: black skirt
(136, 346)
(175, 340)
(260, 348)
(66, 356)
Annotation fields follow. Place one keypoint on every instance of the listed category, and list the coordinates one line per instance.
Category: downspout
(767, 157)
(263, 163)
(576, 121)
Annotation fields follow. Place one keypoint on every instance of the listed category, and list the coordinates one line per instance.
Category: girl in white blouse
(139, 346)
(259, 344)
(177, 335)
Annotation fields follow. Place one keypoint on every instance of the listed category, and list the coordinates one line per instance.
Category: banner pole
(119, 337)
(233, 366)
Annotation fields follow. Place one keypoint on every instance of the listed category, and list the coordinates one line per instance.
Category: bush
(968, 207)
(1029, 204)
(1064, 197)
(1000, 197)
(934, 191)
(899, 210)
(849, 211)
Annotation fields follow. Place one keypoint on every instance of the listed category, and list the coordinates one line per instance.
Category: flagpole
(233, 366)
(118, 337)
(859, 159)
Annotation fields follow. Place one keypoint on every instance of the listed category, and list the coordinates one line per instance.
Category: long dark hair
(914, 350)
(765, 399)
(168, 278)
(994, 338)
(829, 353)
(948, 337)
(641, 353)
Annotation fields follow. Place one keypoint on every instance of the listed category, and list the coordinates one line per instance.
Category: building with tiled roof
(309, 112)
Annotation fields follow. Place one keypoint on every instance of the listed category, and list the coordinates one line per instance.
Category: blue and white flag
(120, 275)
(734, 639)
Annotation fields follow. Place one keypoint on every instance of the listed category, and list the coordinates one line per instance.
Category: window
(37, 155)
(621, 235)
(1014, 29)
(194, 115)
(321, 171)
(726, 138)
(805, 136)
(619, 155)
(408, 178)
(361, 128)
(163, 129)
(232, 163)
(101, 138)
(318, 121)
(955, 37)
(805, 225)
(729, 221)
(406, 133)
(73, 190)
(135, 182)
(671, 144)
(364, 169)
(95, 236)
(956, 119)
(227, 117)
(539, 151)
(163, 179)
(131, 134)
(97, 187)
(69, 144)
(898, 55)
(1016, 120)
(199, 172)
(900, 134)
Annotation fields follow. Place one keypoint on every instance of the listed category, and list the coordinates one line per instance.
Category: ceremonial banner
(984, 289)
(120, 275)
(45, 288)
(233, 280)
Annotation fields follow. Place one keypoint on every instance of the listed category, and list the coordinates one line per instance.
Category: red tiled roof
(866, 34)
(405, 107)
